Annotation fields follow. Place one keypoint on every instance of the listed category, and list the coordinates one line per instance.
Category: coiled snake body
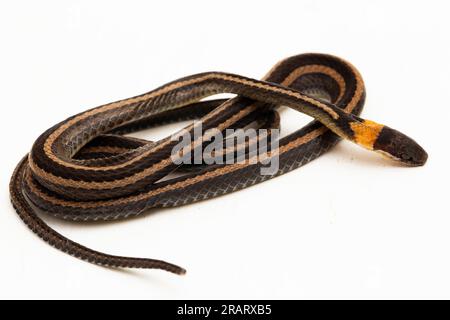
(83, 168)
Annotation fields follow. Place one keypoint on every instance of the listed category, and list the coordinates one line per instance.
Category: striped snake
(84, 168)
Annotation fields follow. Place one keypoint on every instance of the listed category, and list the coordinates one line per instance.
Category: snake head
(400, 147)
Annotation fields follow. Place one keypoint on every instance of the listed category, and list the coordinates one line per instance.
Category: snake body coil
(85, 169)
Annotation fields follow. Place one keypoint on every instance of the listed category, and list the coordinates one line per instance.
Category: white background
(348, 225)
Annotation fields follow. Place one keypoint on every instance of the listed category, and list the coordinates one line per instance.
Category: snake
(89, 168)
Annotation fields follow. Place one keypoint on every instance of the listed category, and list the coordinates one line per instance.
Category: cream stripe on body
(166, 162)
(221, 171)
(50, 140)
(182, 184)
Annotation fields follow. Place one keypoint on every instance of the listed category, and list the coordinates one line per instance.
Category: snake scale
(85, 168)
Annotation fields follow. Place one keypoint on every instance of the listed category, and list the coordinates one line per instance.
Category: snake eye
(406, 157)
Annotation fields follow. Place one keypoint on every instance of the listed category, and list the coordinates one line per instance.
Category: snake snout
(400, 147)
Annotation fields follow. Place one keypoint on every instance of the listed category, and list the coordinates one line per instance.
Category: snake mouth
(409, 162)
(400, 147)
